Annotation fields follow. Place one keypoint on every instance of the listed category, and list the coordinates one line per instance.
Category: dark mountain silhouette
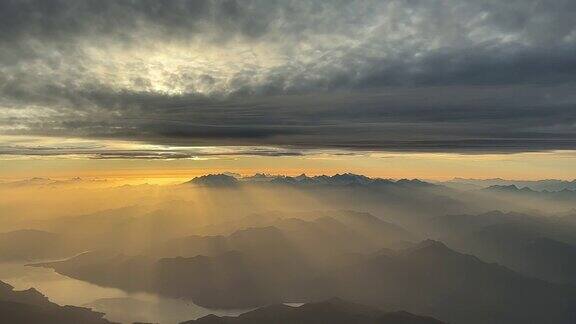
(548, 259)
(428, 278)
(537, 185)
(228, 280)
(334, 311)
(316, 235)
(535, 246)
(31, 307)
(470, 222)
(510, 189)
(433, 279)
(108, 268)
(214, 180)
(557, 228)
(345, 179)
(269, 261)
(564, 195)
(348, 191)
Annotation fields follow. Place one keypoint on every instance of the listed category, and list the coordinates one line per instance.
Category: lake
(119, 306)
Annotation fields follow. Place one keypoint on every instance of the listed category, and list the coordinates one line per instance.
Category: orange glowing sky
(433, 166)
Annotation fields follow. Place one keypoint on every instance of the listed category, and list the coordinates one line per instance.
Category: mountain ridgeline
(350, 248)
(346, 179)
(334, 311)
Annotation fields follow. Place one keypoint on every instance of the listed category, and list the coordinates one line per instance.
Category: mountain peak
(334, 310)
(214, 180)
(430, 243)
(427, 246)
(508, 188)
(301, 177)
(339, 179)
(5, 286)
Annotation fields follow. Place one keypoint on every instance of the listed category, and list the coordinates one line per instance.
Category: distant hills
(540, 247)
(216, 271)
(333, 311)
(343, 191)
(312, 234)
(232, 242)
(513, 191)
(350, 179)
(432, 279)
(509, 188)
(346, 179)
(427, 278)
(536, 185)
(40, 182)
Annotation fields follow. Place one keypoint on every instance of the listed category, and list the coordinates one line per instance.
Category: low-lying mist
(237, 243)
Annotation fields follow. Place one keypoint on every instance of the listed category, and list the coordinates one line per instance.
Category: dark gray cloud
(102, 152)
(435, 75)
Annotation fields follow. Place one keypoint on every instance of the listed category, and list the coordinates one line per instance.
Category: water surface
(119, 306)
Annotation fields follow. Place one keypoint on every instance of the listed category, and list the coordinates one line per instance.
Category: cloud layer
(452, 76)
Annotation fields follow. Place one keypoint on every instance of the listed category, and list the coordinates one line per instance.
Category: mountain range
(536, 185)
(540, 247)
(427, 278)
(333, 311)
(346, 179)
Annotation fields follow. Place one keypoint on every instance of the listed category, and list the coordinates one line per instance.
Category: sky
(413, 88)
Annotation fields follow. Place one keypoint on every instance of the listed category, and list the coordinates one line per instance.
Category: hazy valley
(223, 242)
